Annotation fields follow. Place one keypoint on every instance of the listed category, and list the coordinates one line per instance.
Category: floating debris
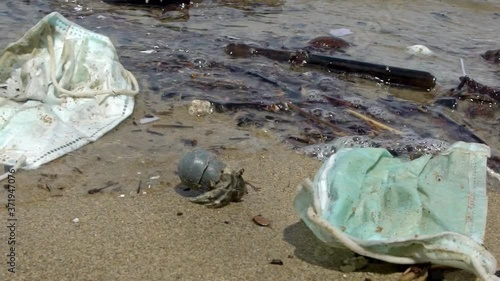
(492, 56)
(339, 32)
(476, 91)
(328, 42)
(419, 50)
(148, 52)
(232, 37)
(388, 75)
(163, 3)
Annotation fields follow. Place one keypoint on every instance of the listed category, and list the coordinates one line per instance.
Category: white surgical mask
(61, 87)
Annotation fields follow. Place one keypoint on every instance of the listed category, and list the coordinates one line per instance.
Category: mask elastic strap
(90, 94)
(492, 173)
(14, 169)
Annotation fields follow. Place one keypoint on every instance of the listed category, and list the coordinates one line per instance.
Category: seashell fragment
(261, 221)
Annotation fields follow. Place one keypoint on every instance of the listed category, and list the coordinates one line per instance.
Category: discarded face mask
(61, 87)
(431, 209)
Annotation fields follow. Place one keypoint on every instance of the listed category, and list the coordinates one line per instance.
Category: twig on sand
(139, 187)
(98, 189)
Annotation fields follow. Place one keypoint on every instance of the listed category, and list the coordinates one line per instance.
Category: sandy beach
(138, 224)
(157, 234)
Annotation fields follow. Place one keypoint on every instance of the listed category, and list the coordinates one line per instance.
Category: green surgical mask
(431, 209)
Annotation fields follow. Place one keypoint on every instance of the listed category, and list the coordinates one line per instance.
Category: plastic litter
(430, 209)
(419, 50)
(340, 32)
(62, 87)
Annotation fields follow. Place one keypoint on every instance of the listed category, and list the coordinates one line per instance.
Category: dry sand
(157, 234)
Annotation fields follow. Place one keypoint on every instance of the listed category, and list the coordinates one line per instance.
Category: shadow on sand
(311, 250)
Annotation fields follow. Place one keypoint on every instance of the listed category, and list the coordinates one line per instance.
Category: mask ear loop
(492, 173)
(14, 169)
(91, 94)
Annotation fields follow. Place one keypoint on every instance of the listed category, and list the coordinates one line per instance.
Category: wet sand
(157, 234)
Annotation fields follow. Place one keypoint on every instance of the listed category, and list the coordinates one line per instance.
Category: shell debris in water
(339, 32)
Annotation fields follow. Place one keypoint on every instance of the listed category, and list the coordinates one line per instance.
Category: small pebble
(148, 119)
(121, 195)
(261, 221)
(76, 220)
(148, 52)
(277, 262)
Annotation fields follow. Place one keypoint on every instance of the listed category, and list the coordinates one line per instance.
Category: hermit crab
(200, 169)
